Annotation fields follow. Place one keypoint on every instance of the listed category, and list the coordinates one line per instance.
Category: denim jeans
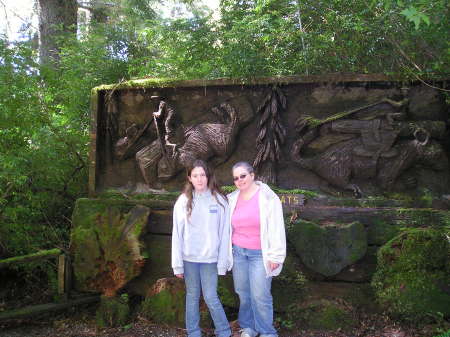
(202, 278)
(253, 287)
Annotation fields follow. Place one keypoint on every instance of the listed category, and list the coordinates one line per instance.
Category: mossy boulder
(112, 311)
(329, 247)
(165, 302)
(413, 273)
(105, 243)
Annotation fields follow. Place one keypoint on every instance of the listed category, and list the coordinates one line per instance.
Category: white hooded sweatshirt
(273, 236)
(204, 237)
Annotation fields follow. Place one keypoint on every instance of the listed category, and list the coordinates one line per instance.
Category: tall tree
(56, 18)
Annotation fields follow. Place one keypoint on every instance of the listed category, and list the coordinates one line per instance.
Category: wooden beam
(46, 308)
(42, 255)
(61, 274)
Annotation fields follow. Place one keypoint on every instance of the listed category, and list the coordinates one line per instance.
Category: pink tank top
(246, 223)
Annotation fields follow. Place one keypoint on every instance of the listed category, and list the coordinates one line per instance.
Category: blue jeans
(202, 277)
(253, 287)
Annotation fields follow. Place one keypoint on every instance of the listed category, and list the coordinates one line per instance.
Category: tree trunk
(56, 17)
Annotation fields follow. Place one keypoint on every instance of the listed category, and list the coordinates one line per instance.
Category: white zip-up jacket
(273, 236)
(203, 237)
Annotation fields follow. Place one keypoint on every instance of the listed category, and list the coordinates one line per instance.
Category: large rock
(106, 246)
(330, 247)
(413, 273)
(165, 302)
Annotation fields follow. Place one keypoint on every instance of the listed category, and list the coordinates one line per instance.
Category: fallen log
(46, 308)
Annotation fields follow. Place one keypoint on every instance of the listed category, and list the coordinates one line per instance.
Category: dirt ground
(81, 323)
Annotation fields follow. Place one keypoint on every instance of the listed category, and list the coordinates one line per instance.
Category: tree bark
(56, 17)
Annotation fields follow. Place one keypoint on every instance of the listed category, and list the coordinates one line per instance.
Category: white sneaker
(246, 333)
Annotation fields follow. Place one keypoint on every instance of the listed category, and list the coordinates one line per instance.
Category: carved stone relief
(376, 143)
(323, 137)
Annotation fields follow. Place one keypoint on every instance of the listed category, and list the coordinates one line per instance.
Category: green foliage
(445, 334)
(113, 311)
(411, 272)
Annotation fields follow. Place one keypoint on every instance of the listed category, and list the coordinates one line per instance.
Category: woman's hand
(273, 265)
(179, 275)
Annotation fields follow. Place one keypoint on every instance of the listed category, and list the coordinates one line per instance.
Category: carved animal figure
(339, 163)
(202, 141)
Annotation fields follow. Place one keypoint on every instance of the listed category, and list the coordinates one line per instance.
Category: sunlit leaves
(413, 15)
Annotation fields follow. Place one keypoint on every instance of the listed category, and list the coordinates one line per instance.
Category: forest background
(47, 72)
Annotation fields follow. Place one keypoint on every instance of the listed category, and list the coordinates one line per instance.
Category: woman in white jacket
(200, 246)
(259, 249)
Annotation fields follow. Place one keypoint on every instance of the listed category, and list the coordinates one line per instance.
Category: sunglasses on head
(241, 177)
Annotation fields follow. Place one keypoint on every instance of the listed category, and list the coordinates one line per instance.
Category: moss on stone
(412, 274)
(112, 312)
(116, 195)
(381, 232)
(331, 318)
(165, 307)
(327, 249)
(423, 217)
(307, 193)
(322, 315)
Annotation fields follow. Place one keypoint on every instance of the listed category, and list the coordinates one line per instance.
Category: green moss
(322, 315)
(41, 255)
(412, 272)
(327, 249)
(112, 312)
(140, 83)
(330, 318)
(423, 217)
(289, 285)
(381, 232)
(116, 195)
(105, 244)
(362, 297)
(306, 193)
(225, 290)
(165, 307)
(228, 188)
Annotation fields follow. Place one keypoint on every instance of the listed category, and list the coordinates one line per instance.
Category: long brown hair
(212, 184)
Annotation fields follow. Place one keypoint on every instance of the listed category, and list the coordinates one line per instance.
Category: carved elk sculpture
(375, 144)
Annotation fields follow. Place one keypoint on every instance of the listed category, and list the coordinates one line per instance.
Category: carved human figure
(177, 147)
(167, 114)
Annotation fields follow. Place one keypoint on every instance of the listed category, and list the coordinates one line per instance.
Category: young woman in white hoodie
(201, 246)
